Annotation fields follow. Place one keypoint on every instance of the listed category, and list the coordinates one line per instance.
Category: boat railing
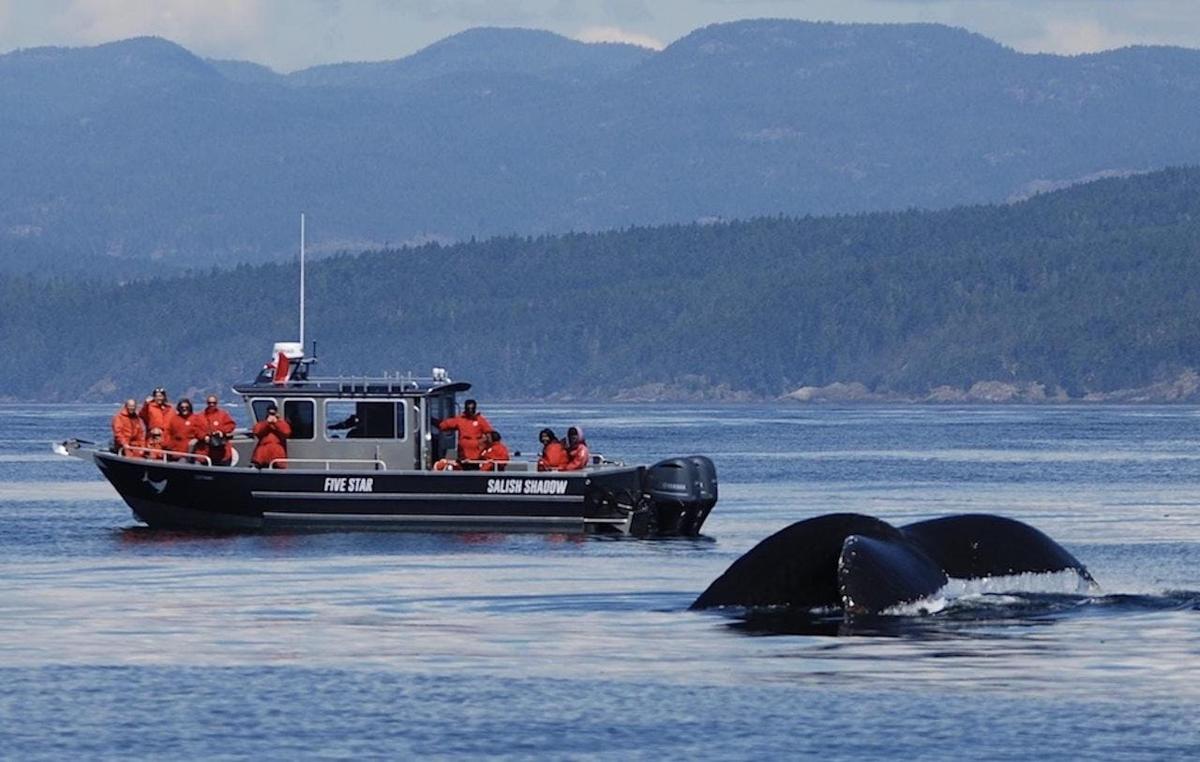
(328, 463)
(154, 453)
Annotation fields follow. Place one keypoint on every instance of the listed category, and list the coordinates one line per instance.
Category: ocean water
(117, 642)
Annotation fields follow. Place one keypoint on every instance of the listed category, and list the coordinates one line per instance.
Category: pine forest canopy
(1088, 289)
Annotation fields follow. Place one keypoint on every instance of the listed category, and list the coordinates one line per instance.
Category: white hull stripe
(397, 518)
(411, 496)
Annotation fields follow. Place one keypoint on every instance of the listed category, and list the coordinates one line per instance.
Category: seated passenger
(578, 455)
(185, 428)
(554, 455)
(127, 430)
(156, 412)
(156, 448)
(272, 434)
(495, 453)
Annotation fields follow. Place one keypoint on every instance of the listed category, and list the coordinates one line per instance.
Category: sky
(293, 34)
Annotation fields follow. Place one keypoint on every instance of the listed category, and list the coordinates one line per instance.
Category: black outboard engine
(681, 492)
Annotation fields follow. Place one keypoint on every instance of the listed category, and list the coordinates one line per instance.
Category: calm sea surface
(117, 642)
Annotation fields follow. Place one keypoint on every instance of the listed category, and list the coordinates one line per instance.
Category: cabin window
(259, 406)
(299, 413)
(364, 419)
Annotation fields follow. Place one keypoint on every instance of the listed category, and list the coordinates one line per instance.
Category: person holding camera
(217, 429)
(272, 434)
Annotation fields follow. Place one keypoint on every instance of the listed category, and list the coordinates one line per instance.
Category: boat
(384, 472)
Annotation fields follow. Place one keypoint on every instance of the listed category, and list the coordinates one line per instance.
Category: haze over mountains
(138, 154)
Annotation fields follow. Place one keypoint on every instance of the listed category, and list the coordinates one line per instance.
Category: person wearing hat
(578, 455)
(272, 433)
(156, 412)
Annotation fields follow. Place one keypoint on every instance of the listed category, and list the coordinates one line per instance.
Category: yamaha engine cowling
(681, 492)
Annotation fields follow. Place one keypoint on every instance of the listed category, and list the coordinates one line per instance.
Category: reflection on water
(375, 633)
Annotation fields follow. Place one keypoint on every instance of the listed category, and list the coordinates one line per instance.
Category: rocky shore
(1184, 388)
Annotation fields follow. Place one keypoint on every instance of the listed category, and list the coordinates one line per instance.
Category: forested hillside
(139, 155)
(1090, 289)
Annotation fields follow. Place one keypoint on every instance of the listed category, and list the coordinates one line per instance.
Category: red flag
(281, 369)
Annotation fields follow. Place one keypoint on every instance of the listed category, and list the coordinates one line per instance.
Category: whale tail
(864, 565)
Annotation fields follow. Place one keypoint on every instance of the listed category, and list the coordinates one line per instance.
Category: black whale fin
(976, 545)
(875, 574)
(797, 566)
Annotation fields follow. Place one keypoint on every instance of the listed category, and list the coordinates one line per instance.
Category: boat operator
(471, 426)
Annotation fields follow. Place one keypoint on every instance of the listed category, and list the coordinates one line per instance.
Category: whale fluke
(976, 545)
(876, 574)
(864, 565)
(796, 566)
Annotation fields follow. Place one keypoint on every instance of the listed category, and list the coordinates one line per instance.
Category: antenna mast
(302, 280)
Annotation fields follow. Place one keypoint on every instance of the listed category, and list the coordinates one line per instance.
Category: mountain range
(138, 157)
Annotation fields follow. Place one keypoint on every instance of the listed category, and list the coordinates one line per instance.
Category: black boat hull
(188, 496)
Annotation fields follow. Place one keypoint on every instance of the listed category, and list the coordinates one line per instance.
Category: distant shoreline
(1182, 390)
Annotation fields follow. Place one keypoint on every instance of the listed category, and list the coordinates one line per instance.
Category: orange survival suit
(554, 455)
(578, 455)
(182, 429)
(470, 434)
(495, 456)
(156, 416)
(272, 443)
(215, 421)
(128, 432)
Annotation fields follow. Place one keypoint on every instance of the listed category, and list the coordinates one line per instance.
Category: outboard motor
(681, 491)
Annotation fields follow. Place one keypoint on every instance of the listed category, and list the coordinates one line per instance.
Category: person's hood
(579, 435)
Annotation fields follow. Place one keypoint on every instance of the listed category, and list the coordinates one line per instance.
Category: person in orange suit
(156, 412)
(471, 426)
(185, 427)
(218, 427)
(156, 448)
(127, 429)
(495, 453)
(554, 455)
(578, 455)
(272, 434)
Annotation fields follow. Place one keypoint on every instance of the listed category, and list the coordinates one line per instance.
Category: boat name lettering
(349, 484)
(527, 486)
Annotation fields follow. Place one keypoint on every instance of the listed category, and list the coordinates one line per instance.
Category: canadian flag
(281, 369)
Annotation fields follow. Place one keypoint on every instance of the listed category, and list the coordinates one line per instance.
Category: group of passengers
(480, 446)
(158, 431)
